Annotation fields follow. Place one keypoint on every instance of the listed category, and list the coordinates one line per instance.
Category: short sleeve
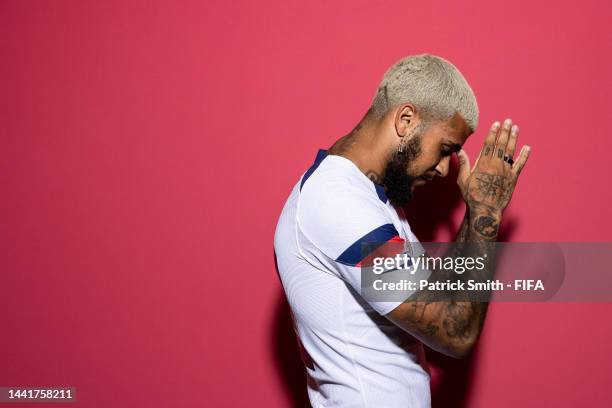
(339, 225)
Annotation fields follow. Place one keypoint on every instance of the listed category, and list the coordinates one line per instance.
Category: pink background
(148, 148)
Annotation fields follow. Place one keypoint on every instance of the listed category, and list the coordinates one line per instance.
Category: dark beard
(397, 181)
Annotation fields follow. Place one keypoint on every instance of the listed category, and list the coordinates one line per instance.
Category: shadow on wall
(289, 364)
(430, 210)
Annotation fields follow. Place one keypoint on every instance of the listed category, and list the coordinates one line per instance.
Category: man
(364, 353)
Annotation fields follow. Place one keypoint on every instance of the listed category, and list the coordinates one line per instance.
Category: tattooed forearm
(462, 234)
(457, 323)
(464, 314)
(431, 329)
(451, 321)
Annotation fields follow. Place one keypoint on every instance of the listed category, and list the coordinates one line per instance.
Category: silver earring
(400, 148)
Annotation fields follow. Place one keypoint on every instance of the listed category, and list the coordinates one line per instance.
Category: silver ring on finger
(508, 159)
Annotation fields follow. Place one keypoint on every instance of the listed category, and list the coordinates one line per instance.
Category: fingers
(521, 160)
(464, 167)
(502, 140)
(489, 143)
(512, 141)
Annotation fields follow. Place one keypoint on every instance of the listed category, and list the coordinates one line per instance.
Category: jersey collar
(380, 189)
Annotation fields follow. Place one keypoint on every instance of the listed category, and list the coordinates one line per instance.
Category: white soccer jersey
(354, 356)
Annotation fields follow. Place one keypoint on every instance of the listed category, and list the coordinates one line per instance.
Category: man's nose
(443, 166)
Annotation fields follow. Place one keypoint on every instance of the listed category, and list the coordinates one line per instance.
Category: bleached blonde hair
(435, 86)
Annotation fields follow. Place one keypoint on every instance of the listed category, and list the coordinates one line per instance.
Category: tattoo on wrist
(486, 226)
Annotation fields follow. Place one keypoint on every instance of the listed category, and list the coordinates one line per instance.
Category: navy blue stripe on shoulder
(380, 190)
(321, 154)
(369, 242)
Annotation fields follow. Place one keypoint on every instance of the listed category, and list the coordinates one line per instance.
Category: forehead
(455, 129)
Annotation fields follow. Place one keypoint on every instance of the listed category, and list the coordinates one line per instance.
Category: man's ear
(405, 117)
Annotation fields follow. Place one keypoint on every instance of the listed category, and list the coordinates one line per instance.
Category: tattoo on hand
(495, 186)
(490, 184)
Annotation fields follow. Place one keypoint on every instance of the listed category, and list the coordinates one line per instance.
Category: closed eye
(447, 150)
